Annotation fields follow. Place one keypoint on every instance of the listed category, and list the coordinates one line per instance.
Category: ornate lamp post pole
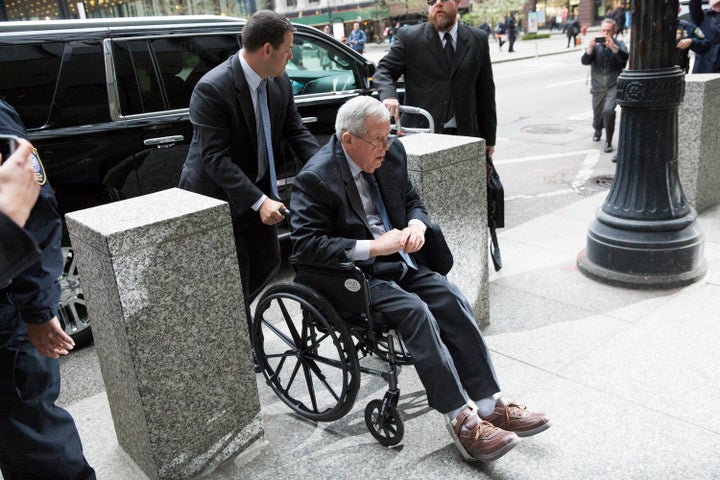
(644, 235)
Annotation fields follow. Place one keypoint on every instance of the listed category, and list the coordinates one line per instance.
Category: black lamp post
(644, 235)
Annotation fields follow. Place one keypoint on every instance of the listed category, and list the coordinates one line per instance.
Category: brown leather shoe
(516, 418)
(482, 442)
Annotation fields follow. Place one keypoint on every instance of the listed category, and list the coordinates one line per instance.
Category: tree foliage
(492, 10)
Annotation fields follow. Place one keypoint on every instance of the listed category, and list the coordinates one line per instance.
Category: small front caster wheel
(387, 429)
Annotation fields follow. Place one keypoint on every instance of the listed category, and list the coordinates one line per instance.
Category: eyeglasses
(384, 144)
(433, 2)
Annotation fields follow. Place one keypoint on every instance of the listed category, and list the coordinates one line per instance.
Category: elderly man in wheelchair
(369, 263)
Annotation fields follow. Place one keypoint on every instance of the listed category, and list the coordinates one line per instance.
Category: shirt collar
(355, 170)
(252, 78)
(453, 33)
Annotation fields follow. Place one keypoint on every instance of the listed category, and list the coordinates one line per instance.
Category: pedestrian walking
(572, 29)
(357, 38)
(607, 57)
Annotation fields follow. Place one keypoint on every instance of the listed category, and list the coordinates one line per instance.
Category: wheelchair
(309, 337)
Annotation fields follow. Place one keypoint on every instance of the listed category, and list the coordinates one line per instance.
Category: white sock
(455, 413)
(485, 406)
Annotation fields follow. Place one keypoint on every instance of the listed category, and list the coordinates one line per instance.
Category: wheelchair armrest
(317, 268)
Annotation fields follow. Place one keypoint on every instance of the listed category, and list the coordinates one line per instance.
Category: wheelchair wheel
(305, 352)
(388, 429)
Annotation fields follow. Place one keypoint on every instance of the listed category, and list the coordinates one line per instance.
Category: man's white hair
(354, 114)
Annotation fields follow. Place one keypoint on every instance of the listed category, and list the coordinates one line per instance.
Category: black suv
(105, 102)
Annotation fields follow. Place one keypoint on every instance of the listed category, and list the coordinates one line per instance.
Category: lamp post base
(642, 254)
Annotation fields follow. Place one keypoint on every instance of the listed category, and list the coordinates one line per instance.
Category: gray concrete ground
(629, 378)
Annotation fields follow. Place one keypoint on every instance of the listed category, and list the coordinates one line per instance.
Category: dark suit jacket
(222, 160)
(328, 216)
(418, 55)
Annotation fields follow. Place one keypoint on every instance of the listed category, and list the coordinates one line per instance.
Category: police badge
(38, 167)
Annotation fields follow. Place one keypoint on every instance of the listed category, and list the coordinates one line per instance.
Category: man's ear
(346, 138)
(267, 49)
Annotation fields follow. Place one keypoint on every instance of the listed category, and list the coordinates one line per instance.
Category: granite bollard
(699, 141)
(163, 289)
(449, 173)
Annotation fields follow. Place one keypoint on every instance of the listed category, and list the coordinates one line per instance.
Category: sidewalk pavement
(629, 378)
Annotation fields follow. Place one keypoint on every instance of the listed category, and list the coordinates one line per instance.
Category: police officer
(689, 37)
(39, 441)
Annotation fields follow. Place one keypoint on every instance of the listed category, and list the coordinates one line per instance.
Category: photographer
(607, 57)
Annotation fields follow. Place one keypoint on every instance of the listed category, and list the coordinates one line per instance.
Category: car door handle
(162, 141)
(309, 119)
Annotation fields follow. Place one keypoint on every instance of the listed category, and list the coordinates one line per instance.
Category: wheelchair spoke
(281, 335)
(310, 387)
(323, 379)
(289, 321)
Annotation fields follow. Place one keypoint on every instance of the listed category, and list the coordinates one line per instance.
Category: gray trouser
(604, 103)
(437, 326)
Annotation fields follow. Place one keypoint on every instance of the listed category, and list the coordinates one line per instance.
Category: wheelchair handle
(285, 212)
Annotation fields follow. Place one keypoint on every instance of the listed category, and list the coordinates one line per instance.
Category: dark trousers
(38, 440)
(437, 326)
(604, 103)
(258, 253)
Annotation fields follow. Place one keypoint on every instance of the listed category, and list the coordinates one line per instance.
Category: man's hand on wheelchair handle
(271, 212)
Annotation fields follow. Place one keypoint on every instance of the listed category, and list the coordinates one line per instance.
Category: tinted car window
(182, 62)
(137, 81)
(30, 93)
(81, 97)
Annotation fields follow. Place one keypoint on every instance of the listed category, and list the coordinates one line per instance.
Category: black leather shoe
(596, 136)
(614, 159)
(608, 147)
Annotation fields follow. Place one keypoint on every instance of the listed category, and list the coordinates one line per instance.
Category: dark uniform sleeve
(36, 291)
(17, 250)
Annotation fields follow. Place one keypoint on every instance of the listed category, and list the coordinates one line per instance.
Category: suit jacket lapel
(350, 188)
(433, 44)
(460, 48)
(244, 99)
(392, 194)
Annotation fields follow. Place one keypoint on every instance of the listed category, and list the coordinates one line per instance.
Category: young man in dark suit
(229, 158)
(354, 201)
(447, 71)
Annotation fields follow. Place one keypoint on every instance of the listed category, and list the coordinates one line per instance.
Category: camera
(8, 144)
(600, 40)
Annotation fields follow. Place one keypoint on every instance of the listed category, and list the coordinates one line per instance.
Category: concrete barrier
(449, 172)
(699, 141)
(163, 289)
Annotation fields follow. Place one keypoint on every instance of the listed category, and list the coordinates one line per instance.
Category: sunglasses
(433, 2)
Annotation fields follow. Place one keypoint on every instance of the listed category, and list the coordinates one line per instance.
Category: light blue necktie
(267, 134)
(380, 205)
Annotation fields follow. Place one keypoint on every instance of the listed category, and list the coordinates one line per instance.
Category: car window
(182, 62)
(28, 75)
(137, 82)
(81, 97)
(319, 67)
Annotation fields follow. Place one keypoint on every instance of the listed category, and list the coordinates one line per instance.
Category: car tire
(72, 311)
